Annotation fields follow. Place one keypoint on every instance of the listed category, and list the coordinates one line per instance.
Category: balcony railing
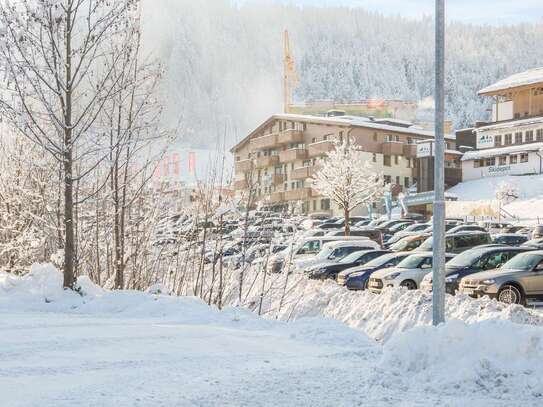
(298, 194)
(267, 161)
(410, 150)
(393, 148)
(290, 136)
(243, 166)
(320, 148)
(302, 173)
(263, 142)
(293, 155)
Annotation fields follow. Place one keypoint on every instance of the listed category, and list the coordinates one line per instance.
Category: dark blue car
(330, 271)
(483, 258)
(356, 278)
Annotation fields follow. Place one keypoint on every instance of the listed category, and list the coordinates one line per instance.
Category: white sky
(494, 12)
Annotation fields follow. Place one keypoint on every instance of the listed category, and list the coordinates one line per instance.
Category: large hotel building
(512, 143)
(276, 161)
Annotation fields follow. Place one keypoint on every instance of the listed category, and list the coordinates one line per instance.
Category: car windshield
(401, 245)
(411, 262)
(524, 262)
(325, 252)
(351, 258)
(427, 244)
(381, 260)
(465, 259)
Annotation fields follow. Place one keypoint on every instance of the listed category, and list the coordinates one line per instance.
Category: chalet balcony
(393, 148)
(320, 148)
(371, 147)
(410, 150)
(299, 194)
(264, 142)
(302, 173)
(267, 161)
(290, 136)
(293, 154)
(277, 197)
(243, 166)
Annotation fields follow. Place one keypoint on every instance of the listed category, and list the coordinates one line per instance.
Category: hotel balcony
(277, 197)
(320, 148)
(293, 155)
(299, 194)
(267, 161)
(302, 173)
(410, 150)
(243, 166)
(277, 179)
(290, 136)
(372, 147)
(393, 148)
(264, 142)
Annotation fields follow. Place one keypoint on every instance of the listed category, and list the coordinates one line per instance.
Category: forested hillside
(225, 61)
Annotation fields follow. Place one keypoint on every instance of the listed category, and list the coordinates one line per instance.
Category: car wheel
(509, 294)
(409, 284)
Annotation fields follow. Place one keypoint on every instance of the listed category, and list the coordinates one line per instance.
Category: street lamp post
(438, 291)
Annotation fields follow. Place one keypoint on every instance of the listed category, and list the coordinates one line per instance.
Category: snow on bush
(488, 357)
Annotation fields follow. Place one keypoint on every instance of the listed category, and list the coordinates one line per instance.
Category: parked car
(331, 270)
(307, 246)
(356, 278)
(473, 261)
(408, 243)
(458, 242)
(335, 251)
(466, 228)
(373, 234)
(511, 239)
(537, 233)
(362, 223)
(535, 243)
(386, 227)
(517, 281)
(408, 273)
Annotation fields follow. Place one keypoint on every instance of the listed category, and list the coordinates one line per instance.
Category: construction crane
(290, 78)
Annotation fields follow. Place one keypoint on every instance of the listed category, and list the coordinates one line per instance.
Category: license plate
(374, 284)
(468, 291)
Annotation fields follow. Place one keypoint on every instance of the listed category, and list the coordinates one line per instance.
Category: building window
(396, 159)
(518, 138)
(498, 140)
(325, 204)
(490, 161)
(408, 162)
(409, 140)
(524, 158)
(508, 139)
(314, 205)
(539, 135)
(387, 179)
(406, 182)
(314, 140)
(386, 160)
(513, 159)
(503, 160)
(476, 163)
(374, 157)
(529, 136)
(398, 180)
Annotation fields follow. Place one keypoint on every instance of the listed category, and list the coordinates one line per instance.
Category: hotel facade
(277, 160)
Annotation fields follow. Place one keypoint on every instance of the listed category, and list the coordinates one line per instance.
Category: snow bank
(529, 186)
(379, 316)
(492, 357)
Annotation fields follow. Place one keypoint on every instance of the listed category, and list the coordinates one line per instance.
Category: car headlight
(451, 279)
(391, 276)
(490, 281)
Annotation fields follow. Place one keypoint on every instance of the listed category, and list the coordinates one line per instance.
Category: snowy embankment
(529, 205)
(130, 348)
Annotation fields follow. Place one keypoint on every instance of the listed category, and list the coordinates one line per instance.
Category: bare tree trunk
(347, 215)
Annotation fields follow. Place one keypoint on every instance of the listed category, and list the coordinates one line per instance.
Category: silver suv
(518, 280)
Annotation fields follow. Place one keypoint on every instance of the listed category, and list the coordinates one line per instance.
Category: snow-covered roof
(512, 124)
(529, 77)
(351, 121)
(495, 152)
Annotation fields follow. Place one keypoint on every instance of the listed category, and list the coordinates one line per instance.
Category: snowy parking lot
(137, 349)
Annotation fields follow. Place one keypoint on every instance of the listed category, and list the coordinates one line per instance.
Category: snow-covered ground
(140, 349)
(529, 205)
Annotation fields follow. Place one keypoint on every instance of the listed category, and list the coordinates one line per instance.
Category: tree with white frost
(347, 178)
